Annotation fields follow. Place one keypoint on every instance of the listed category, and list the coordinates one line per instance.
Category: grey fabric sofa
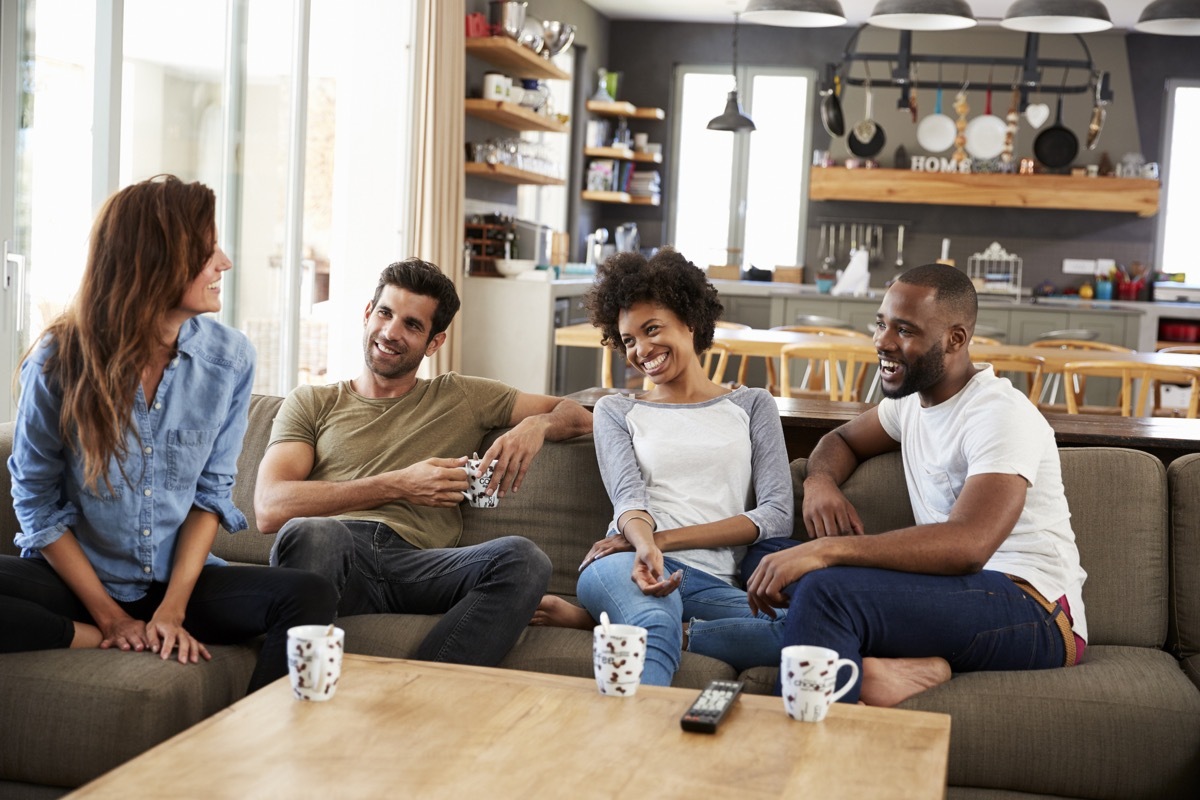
(1126, 723)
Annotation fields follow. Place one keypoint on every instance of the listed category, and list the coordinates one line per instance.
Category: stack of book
(645, 183)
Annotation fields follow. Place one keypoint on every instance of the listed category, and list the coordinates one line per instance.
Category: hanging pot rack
(1028, 71)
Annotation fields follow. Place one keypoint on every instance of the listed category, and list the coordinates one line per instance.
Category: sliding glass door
(294, 111)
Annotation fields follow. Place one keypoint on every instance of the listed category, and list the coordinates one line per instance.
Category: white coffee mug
(618, 658)
(808, 676)
(496, 86)
(314, 658)
(477, 495)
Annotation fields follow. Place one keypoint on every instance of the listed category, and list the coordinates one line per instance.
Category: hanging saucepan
(936, 132)
(831, 109)
(985, 134)
(866, 138)
(1057, 146)
(1098, 111)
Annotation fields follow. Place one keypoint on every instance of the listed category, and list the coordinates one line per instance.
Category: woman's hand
(165, 633)
(648, 573)
(606, 546)
(124, 633)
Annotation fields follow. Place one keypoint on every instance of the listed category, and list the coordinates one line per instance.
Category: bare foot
(557, 612)
(86, 635)
(889, 681)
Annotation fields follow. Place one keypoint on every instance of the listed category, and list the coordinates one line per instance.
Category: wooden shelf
(623, 109)
(1129, 195)
(624, 198)
(622, 153)
(506, 174)
(519, 61)
(513, 116)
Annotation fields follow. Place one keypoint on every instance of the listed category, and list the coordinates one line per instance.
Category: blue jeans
(975, 622)
(228, 605)
(487, 593)
(722, 624)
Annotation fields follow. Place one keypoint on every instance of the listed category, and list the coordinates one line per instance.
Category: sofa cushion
(561, 506)
(1183, 478)
(1122, 544)
(8, 517)
(559, 651)
(250, 546)
(70, 715)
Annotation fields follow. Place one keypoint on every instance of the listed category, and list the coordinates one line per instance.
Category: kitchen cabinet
(1130, 195)
(517, 62)
(622, 155)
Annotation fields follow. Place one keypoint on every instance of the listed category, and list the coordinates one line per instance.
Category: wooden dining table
(768, 343)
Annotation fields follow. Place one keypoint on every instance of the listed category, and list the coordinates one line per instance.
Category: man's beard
(404, 363)
(920, 374)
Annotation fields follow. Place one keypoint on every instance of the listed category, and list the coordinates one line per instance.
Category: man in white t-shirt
(989, 577)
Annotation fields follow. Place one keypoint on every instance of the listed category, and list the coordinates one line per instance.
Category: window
(741, 198)
(1181, 173)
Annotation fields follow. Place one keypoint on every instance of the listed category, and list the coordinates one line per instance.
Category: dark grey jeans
(487, 592)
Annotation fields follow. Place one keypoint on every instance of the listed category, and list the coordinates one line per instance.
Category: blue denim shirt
(190, 438)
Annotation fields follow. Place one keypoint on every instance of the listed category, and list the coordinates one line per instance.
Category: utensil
(1096, 124)
(862, 143)
(605, 623)
(985, 133)
(507, 16)
(936, 132)
(821, 244)
(831, 109)
(900, 246)
(864, 129)
(557, 36)
(830, 251)
(1057, 146)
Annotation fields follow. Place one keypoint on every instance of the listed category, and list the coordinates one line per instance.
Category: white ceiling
(1124, 13)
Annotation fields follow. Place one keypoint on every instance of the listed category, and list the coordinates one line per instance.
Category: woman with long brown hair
(130, 420)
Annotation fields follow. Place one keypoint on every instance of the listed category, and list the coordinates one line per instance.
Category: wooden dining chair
(1050, 342)
(813, 380)
(845, 364)
(977, 339)
(1159, 410)
(1033, 367)
(1128, 372)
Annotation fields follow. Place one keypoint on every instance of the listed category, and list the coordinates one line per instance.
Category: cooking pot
(1057, 146)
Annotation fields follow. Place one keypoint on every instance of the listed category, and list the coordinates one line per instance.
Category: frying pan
(872, 144)
(831, 110)
(936, 132)
(985, 134)
(1057, 146)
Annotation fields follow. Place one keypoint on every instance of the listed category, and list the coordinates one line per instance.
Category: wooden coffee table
(416, 729)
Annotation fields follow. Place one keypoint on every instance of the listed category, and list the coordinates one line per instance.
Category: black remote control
(711, 706)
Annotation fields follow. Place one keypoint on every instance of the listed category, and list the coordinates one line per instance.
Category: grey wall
(648, 52)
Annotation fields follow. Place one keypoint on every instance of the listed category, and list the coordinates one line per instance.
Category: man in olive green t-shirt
(363, 479)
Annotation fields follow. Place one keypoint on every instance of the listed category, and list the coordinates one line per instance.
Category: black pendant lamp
(733, 119)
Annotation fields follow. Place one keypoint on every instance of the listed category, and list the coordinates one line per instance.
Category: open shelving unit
(619, 108)
(507, 54)
(623, 154)
(619, 197)
(506, 174)
(626, 110)
(1127, 195)
(513, 116)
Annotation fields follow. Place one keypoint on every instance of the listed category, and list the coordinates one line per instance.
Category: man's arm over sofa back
(1118, 502)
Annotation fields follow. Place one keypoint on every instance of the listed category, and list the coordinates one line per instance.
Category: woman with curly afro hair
(696, 473)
